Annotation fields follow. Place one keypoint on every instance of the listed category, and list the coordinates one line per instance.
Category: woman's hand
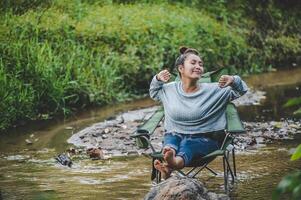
(225, 80)
(163, 76)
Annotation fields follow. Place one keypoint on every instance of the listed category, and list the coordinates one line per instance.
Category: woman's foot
(164, 169)
(173, 161)
(169, 156)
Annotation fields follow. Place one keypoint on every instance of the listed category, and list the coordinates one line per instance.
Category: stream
(31, 172)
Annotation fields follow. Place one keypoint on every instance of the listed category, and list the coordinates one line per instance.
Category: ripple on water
(248, 175)
(116, 178)
(39, 161)
(87, 181)
(77, 168)
(17, 157)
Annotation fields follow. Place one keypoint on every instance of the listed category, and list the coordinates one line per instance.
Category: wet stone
(107, 130)
(28, 142)
(260, 140)
(122, 137)
(182, 188)
(132, 152)
(97, 134)
(86, 141)
(128, 142)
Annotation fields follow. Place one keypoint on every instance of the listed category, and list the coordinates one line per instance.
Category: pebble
(29, 142)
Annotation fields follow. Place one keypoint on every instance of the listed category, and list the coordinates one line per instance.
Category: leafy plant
(294, 102)
(291, 183)
(297, 154)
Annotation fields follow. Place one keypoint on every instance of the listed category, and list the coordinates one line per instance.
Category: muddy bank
(113, 135)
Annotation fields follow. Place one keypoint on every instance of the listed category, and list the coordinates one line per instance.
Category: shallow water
(30, 171)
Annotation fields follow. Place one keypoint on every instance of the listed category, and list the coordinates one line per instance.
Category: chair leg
(233, 159)
(190, 171)
(198, 171)
(211, 170)
(225, 175)
(158, 177)
(155, 175)
(181, 173)
(229, 170)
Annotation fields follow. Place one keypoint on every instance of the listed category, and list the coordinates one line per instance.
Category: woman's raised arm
(156, 85)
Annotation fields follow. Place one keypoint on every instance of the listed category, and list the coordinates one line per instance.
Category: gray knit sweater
(199, 112)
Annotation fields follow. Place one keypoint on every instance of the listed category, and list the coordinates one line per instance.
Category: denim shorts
(190, 146)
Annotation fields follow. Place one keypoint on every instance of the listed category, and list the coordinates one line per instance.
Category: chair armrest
(234, 124)
(137, 135)
(151, 124)
(143, 133)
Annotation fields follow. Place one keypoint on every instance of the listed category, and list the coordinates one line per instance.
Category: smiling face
(192, 67)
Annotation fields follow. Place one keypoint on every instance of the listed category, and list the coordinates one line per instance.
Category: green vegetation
(58, 56)
(294, 102)
(297, 154)
(291, 183)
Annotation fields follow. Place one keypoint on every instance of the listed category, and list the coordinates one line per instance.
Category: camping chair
(234, 126)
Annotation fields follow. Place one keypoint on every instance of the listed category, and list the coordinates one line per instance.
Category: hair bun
(183, 49)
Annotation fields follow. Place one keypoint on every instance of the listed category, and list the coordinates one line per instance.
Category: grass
(61, 56)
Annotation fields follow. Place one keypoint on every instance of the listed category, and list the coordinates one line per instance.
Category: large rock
(182, 188)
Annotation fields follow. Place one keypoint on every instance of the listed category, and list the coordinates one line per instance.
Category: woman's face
(192, 68)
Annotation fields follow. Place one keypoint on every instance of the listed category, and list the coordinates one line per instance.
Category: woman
(193, 110)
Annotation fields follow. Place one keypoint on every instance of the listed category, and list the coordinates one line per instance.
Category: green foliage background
(58, 56)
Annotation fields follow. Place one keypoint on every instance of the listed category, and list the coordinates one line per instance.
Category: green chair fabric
(150, 125)
(143, 132)
(234, 124)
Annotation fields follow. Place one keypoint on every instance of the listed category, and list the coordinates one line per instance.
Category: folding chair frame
(229, 171)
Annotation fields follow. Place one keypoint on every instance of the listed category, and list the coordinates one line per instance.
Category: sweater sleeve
(155, 90)
(239, 88)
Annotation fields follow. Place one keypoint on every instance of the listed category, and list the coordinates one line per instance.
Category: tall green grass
(66, 55)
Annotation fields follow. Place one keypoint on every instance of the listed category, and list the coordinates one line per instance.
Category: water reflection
(271, 109)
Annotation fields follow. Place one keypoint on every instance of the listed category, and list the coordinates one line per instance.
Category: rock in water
(64, 160)
(182, 188)
(95, 153)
